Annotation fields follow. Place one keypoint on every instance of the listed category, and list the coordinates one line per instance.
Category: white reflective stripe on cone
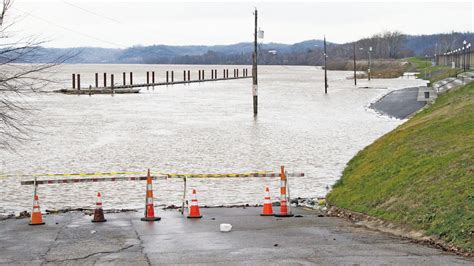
(148, 187)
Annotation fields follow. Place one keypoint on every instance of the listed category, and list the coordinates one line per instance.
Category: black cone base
(194, 217)
(267, 214)
(36, 224)
(284, 215)
(150, 219)
(99, 221)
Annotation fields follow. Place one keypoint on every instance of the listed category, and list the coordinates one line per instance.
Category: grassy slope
(421, 174)
(428, 71)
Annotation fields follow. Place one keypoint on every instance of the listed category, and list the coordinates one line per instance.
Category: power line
(92, 12)
(71, 30)
(135, 29)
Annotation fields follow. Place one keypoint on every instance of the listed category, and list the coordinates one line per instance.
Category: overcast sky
(106, 23)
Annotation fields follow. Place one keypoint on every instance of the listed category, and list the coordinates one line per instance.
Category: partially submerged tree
(17, 80)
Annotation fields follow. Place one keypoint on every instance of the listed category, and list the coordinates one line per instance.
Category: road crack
(92, 254)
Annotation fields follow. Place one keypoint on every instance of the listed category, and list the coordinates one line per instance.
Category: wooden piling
(147, 78)
(105, 80)
(96, 80)
(172, 76)
(112, 84)
(124, 78)
(223, 73)
(184, 75)
(73, 81)
(199, 74)
(167, 77)
(203, 76)
(189, 74)
(131, 78)
(78, 81)
(153, 77)
(237, 72)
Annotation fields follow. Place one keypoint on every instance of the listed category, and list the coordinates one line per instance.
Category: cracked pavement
(71, 239)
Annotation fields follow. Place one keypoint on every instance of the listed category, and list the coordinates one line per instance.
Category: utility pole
(355, 74)
(325, 69)
(254, 69)
(368, 67)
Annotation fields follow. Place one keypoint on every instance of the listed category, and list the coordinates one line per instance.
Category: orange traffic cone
(284, 210)
(36, 216)
(267, 204)
(98, 213)
(149, 207)
(194, 210)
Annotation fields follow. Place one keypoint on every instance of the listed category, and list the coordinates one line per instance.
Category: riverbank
(420, 174)
(304, 239)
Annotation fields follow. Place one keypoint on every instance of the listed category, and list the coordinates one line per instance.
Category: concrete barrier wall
(447, 60)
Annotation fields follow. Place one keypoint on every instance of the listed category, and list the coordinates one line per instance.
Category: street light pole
(468, 56)
(355, 74)
(325, 69)
(464, 54)
(368, 68)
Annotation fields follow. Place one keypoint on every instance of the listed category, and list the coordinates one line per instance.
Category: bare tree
(17, 81)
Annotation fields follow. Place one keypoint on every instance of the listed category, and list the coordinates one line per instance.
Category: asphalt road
(399, 103)
(73, 240)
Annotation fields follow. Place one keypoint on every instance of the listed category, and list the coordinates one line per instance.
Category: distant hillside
(308, 52)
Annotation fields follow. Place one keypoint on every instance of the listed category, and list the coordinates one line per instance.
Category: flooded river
(198, 128)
